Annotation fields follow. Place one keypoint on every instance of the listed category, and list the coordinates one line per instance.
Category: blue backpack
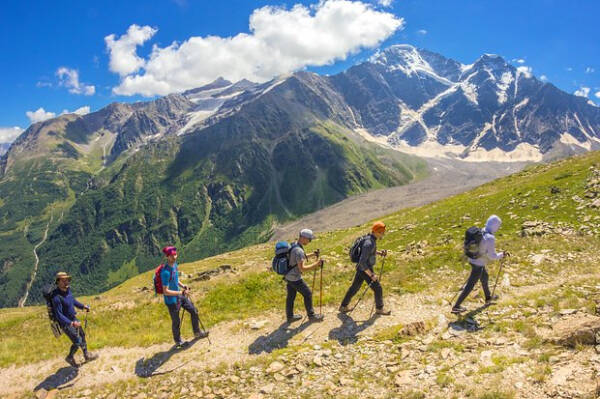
(281, 260)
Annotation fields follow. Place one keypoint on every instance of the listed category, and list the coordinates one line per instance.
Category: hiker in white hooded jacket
(487, 251)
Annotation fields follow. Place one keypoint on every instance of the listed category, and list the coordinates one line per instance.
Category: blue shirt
(169, 278)
(63, 304)
(367, 253)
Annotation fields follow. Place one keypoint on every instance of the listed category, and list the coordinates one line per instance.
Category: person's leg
(473, 278)
(289, 302)
(187, 304)
(484, 283)
(71, 332)
(353, 289)
(174, 313)
(303, 289)
(378, 291)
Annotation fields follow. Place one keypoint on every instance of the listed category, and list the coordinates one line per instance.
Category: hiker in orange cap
(364, 252)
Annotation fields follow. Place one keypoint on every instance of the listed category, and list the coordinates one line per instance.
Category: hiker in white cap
(295, 283)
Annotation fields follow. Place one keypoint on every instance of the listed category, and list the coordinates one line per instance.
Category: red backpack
(158, 285)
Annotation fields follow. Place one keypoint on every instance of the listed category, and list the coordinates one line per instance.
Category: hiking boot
(294, 318)
(316, 318)
(458, 309)
(89, 357)
(181, 344)
(71, 361)
(383, 312)
(491, 300)
(344, 309)
(201, 334)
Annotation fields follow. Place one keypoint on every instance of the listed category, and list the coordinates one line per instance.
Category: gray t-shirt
(296, 255)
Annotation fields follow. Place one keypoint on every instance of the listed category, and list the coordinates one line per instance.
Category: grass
(425, 245)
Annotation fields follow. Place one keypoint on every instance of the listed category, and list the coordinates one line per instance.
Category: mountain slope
(550, 227)
(280, 153)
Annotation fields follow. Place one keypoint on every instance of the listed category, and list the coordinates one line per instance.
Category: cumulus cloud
(9, 134)
(582, 92)
(122, 51)
(589, 70)
(79, 111)
(518, 60)
(422, 32)
(385, 3)
(69, 78)
(280, 41)
(525, 70)
(39, 115)
(597, 94)
(544, 78)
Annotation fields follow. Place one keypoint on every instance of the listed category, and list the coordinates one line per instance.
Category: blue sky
(45, 44)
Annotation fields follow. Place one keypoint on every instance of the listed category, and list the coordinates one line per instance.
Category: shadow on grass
(146, 368)
(59, 380)
(347, 333)
(277, 339)
(467, 322)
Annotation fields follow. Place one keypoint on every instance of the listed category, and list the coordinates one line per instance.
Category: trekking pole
(321, 290)
(498, 276)
(85, 323)
(379, 279)
(201, 324)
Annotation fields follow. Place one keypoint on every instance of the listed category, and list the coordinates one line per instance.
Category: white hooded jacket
(487, 247)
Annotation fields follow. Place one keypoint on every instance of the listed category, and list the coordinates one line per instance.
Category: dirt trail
(237, 341)
(447, 177)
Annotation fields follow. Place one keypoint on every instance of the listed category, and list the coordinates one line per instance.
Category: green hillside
(546, 207)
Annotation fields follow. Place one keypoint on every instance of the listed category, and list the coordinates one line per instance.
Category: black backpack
(356, 248)
(48, 292)
(281, 261)
(473, 238)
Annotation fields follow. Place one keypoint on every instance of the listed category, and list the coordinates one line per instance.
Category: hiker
(365, 272)
(176, 296)
(486, 252)
(63, 305)
(295, 283)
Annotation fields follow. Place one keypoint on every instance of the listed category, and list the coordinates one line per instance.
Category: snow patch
(505, 80)
(570, 140)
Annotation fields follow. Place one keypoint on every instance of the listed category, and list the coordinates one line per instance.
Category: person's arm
(491, 249)
(303, 268)
(58, 312)
(78, 304)
(363, 262)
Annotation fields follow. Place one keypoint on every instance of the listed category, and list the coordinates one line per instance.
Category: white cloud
(79, 111)
(122, 51)
(525, 70)
(518, 60)
(280, 41)
(385, 3)
(69, 78)
(597, 94)
(9, 134)
(589, 70)
(582, 92)
(544, 78)
(568, 69)
(422, 32)
(39, 115)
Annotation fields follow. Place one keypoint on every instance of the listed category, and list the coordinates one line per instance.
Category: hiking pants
(359, 278)
(185, 303)
(477, 273)
(77, 337)
(292, 288)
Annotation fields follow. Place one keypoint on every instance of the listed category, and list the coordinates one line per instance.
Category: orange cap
(378, 227)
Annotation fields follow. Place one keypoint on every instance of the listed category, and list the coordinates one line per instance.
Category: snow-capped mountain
(427, 104)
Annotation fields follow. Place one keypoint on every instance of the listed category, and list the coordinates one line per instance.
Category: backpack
(281, 260)
(473, 238)
(356, 248)
(48, 292)
(157, 280)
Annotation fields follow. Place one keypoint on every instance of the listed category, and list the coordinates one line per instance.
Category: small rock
(275, 367)
(257, 325)
(344, 381)
(564, 312)
(318, 361)
(41, 393)
(403, 378)
(268, 388)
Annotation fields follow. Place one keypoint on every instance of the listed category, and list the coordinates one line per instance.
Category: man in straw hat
(64, 304)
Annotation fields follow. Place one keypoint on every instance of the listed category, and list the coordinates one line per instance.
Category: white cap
(307, 233)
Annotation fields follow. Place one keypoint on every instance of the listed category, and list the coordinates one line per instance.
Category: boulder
(580, 328)
(412, 329)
